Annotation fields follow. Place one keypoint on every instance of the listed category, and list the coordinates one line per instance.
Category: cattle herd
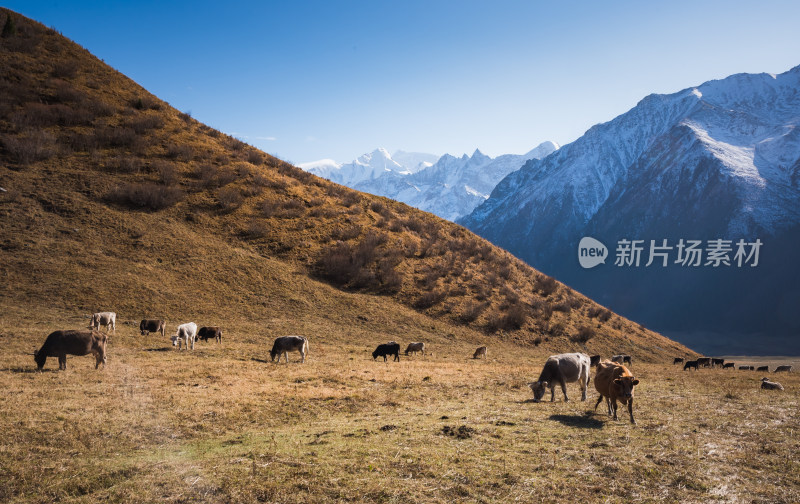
(613, 380)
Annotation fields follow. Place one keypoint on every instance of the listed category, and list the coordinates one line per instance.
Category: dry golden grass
(222, 424)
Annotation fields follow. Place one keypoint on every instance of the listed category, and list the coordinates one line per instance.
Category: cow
(386, 349)
(106, 318)
(594, 360)
(784, 369)
(416, 347)
(212, 332)
(186, 332)
(285, 344)
(729, 365)
(621, 359)
(715, 362)
(614, 381)
(480, 352)
(690, 364)
(146, 326)
(60, 343)
(677, 360)
(763, 368)
(746, 368)
(562, 369)
(766, 384)
(704, 361)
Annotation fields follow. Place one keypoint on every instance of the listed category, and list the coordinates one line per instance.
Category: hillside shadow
(581, 421)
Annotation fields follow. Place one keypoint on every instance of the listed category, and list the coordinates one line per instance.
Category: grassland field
(223, 424)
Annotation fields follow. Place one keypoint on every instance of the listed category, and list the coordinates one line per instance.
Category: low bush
(146, 195)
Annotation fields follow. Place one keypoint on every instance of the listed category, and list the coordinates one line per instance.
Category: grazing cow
(729, 365)
(146, 326)
(106, 318)
(717, 362)
(562, 369)
(617, 359)
(704, 361)
(766, 384)
(285, 344)
(479, 352)
(678, 360)
(60, 343)
(594, 360)
(690, 364)
(212, 332)
(784, 369)
(614, 381)
(763, 368)
(416, 347)
(186, 332)
(386, 349)
(746, 368)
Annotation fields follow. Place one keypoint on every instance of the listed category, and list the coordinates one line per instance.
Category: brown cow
(614, 381)
(479, 352)
(147, 326)
(60, 343)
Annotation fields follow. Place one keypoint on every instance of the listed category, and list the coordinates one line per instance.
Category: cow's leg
(584, 386)
(630, 410)
(552, 392)
(564, 390)
(62, 361)
(614, 407)
(608, 406)
(598, 402)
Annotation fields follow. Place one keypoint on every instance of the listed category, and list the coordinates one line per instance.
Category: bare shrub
(351, 198)
(546, 285)
(585, 333)
(146, 196)
(115, 136)
(255, 229)
(181, 152)
(563, 307)
(230, 198)
(125, 164)
(255, 157)
(146, 122)
(345, 233)
(472, 311)
(66, 69)
(557, 329)
(428, 299)
(167, 173)
(30, 146)
(145, 103)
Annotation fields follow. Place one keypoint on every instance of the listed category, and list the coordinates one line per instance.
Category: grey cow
(562, 369)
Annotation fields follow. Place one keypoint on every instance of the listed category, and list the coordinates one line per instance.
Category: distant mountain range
(716, 161)
(448, 186)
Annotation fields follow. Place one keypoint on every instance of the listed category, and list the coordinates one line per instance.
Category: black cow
(704, 361)
(211, 332)
(386, 349)
(717, 362)
(746, 368)
(690, 364)
(147, 326)
(678, 360)
(729, 365)
(62, 343)
(763, 368)
(594, 360)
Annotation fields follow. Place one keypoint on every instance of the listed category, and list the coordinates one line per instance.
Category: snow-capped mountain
(367, 167)
(717, 161)
(448, 186)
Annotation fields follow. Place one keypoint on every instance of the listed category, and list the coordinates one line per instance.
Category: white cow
(187, 332)
(106, 318)
(561, 369)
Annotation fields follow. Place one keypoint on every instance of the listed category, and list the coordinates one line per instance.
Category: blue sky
(311, 80)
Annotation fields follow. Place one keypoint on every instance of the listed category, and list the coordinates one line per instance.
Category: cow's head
(625, 386)
(272, 354)
(538, 388)
(40, 359)
(176, 340)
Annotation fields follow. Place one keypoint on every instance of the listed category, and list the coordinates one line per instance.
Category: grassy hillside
(112, 200)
